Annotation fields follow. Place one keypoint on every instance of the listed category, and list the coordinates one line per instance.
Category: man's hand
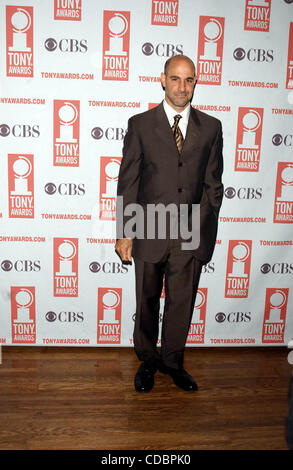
(123, 247)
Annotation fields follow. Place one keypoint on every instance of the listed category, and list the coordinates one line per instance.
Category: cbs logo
(253, 55)
(278, 139)
(162, 50)
(65, 189)
(111, 133)
(19, 130)
(243, 193)
(66, 45)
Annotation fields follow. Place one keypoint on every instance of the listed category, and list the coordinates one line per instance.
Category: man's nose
(182, 85)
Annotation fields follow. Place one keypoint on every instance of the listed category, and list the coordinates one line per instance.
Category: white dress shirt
(171, 112)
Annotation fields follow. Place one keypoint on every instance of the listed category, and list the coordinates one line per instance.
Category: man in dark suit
(172, 154)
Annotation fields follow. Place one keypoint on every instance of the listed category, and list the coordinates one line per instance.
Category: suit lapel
(192, 133)
(163, 130)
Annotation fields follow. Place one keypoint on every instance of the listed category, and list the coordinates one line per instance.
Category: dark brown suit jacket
(152, 172)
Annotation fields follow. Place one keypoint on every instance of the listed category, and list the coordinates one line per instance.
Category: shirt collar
(171, 112)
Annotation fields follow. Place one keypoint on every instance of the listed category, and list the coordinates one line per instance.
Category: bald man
(172, 154)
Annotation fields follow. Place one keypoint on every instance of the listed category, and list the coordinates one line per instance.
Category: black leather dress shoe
(180, 378)
(144, 378)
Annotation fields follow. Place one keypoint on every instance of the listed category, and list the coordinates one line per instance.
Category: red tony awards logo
(67, 10)
(65, 267)
(197, 326)
(109, 315)
(66, 133)
(19, 41)
(23, 314)
(257, 15)
(238, 268)
(165, 12)
(289, 79)
(21, 186)
(248, 144)
(275, 315)
(283, 211)
(116, 45)
(109, 171)
(210, 50)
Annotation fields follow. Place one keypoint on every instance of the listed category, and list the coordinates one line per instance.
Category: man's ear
(163, 79)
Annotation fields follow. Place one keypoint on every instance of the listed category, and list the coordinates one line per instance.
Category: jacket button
(180, 164)
(180, 190)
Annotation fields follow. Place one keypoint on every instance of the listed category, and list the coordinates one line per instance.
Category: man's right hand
(123, 247)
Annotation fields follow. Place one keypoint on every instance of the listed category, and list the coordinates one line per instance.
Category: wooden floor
(83, 398)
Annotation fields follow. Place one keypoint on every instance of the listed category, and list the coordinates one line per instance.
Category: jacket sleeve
(213, 176)
(129, 177)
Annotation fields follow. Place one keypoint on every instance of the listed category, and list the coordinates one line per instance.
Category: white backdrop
(72, 73)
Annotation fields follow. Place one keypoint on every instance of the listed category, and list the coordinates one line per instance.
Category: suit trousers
(181, 271)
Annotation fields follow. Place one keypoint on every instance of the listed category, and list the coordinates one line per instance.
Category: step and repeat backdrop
(72, 73)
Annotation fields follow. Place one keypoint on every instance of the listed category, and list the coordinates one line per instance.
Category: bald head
(178, 58)
(178, 81)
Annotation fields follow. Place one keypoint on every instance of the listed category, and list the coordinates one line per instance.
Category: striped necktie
(177, 133)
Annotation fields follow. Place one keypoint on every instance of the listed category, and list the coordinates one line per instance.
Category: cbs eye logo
(286, 140)
(220, 317)
(230, 192)
(265, 268)
(6, 265)
(50, 188)
(239, 53)
(95, 267)
(51, 44)
(147, 48)
(4, 130)
(277, 139)
(51, 316)
(97, 133)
